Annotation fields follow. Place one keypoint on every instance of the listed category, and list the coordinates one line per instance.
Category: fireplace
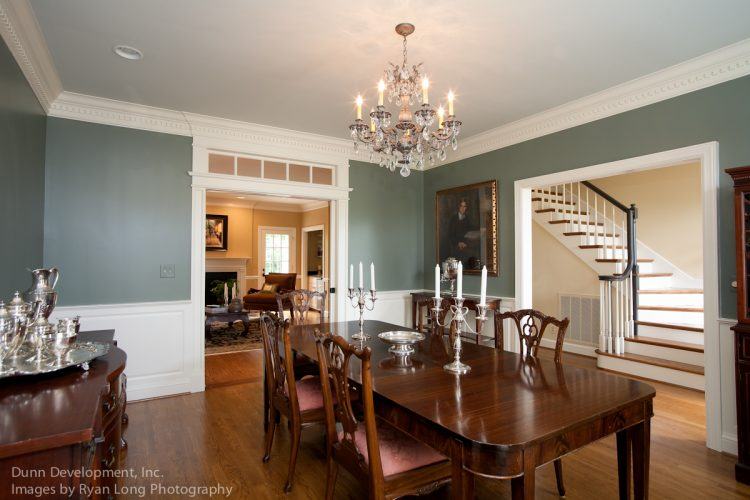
(211, 278)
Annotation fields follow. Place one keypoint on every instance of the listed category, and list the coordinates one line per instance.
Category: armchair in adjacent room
(264, 299)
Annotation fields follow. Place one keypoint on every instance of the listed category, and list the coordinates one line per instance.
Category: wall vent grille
(583, 311)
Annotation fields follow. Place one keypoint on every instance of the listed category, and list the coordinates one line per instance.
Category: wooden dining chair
(300, 401)
(390, 462)
(531, 326)
(300, 303)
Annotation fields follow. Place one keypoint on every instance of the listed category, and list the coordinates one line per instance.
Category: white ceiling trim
(719, 66)
(24, 38)
(125, 114)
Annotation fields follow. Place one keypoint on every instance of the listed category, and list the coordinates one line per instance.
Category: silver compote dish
(401, 341)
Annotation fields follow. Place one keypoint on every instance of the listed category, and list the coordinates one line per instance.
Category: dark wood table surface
(507, 416)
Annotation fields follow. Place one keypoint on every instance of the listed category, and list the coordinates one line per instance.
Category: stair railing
(596, 217)
(618, 292)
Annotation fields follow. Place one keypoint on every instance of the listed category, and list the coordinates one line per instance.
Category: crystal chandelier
(413, 139)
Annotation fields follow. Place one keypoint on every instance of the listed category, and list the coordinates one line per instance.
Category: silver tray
(401, 341)
(30, 361)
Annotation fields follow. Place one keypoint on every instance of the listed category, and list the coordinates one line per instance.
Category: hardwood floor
(232, 368)
(216, 437)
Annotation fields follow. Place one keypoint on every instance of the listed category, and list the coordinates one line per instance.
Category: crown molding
(719, 66)
(23, 36)
(209, 131)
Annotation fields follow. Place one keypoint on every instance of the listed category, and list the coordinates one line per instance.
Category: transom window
(270, 169)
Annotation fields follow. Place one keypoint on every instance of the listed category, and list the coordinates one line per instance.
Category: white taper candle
(351, 276)
(372, 276)
(361, 279)
(437, 281)
(483, 292)
(460, 281)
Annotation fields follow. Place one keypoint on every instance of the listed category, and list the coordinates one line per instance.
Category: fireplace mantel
(235, 265)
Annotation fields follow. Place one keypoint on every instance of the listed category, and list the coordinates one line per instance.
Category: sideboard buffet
(61, 433)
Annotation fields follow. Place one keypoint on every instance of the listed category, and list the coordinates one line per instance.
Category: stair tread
(558, 202)
(584, 233)
(654, 275)
(685, 346)
(560, 210)
(585, 247)
(649, 360)
(569, 221)
(622, 260)
(673, 291)
(671, 326)
(671, 308)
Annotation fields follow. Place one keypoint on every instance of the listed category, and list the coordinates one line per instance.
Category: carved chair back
(531, 326)
(334, 358)
(300, 302)
(277, 351)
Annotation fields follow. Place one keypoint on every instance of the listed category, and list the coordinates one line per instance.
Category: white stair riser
(671, 334)
(671, 299)
(670, 353)
(668, 375)
(673, 317)
(658, 283)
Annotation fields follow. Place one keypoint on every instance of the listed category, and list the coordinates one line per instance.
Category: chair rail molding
(154, 335)
(23, 36)
(712, 68)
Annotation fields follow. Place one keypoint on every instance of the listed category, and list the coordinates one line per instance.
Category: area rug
(225, 337)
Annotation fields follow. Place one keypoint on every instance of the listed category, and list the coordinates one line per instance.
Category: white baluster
(588, 217)
(578, 199)
(602, 317)
(563, 202)
(596, 217)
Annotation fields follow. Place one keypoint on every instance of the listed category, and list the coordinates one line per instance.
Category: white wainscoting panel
(728, 389)
(393, 306)
(154, 335)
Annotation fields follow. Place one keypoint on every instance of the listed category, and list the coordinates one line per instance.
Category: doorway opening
(706, 156)
(257, 246)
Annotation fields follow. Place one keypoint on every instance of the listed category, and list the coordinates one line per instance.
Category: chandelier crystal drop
(417, 137)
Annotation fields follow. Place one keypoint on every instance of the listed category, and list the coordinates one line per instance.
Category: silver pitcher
(42, 293)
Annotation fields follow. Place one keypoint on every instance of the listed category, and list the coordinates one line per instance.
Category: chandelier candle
(414, 137)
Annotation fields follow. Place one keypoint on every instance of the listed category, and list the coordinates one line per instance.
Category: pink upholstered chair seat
(399, 452)
(309, 393)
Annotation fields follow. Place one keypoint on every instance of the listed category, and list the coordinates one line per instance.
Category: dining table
(508, 415)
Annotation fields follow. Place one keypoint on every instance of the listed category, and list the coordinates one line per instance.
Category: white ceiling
(262, 202)
(299, 64)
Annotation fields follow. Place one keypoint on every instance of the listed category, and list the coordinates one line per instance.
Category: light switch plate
(166, 271)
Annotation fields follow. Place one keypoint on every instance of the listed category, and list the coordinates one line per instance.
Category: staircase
(652, 330)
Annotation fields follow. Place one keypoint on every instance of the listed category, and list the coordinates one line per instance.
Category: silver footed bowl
(401, 341)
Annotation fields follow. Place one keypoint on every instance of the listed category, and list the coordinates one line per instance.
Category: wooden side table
(470, 301)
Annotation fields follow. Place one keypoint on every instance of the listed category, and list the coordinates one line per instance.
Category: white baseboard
(154, 335)
(582, 349)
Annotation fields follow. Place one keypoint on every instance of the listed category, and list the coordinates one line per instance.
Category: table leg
(623, 463)
(462, 481)
(641, 439)
(522, 487)
(266, 409)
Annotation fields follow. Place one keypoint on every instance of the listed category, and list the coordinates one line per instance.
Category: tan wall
(671, 194)
(556, 271)
(243, 234)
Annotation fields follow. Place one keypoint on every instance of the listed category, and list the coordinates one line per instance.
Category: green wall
(117, 207)
(22, 130)
(385, 221)
(720, 113)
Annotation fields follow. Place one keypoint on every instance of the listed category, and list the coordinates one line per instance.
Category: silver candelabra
(359, 299)
(458, 319)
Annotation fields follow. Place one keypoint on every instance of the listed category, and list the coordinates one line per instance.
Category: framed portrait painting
(217, 230)
(466, 226)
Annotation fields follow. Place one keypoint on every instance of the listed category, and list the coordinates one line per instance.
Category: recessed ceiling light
(127, 52)
(240, 197)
